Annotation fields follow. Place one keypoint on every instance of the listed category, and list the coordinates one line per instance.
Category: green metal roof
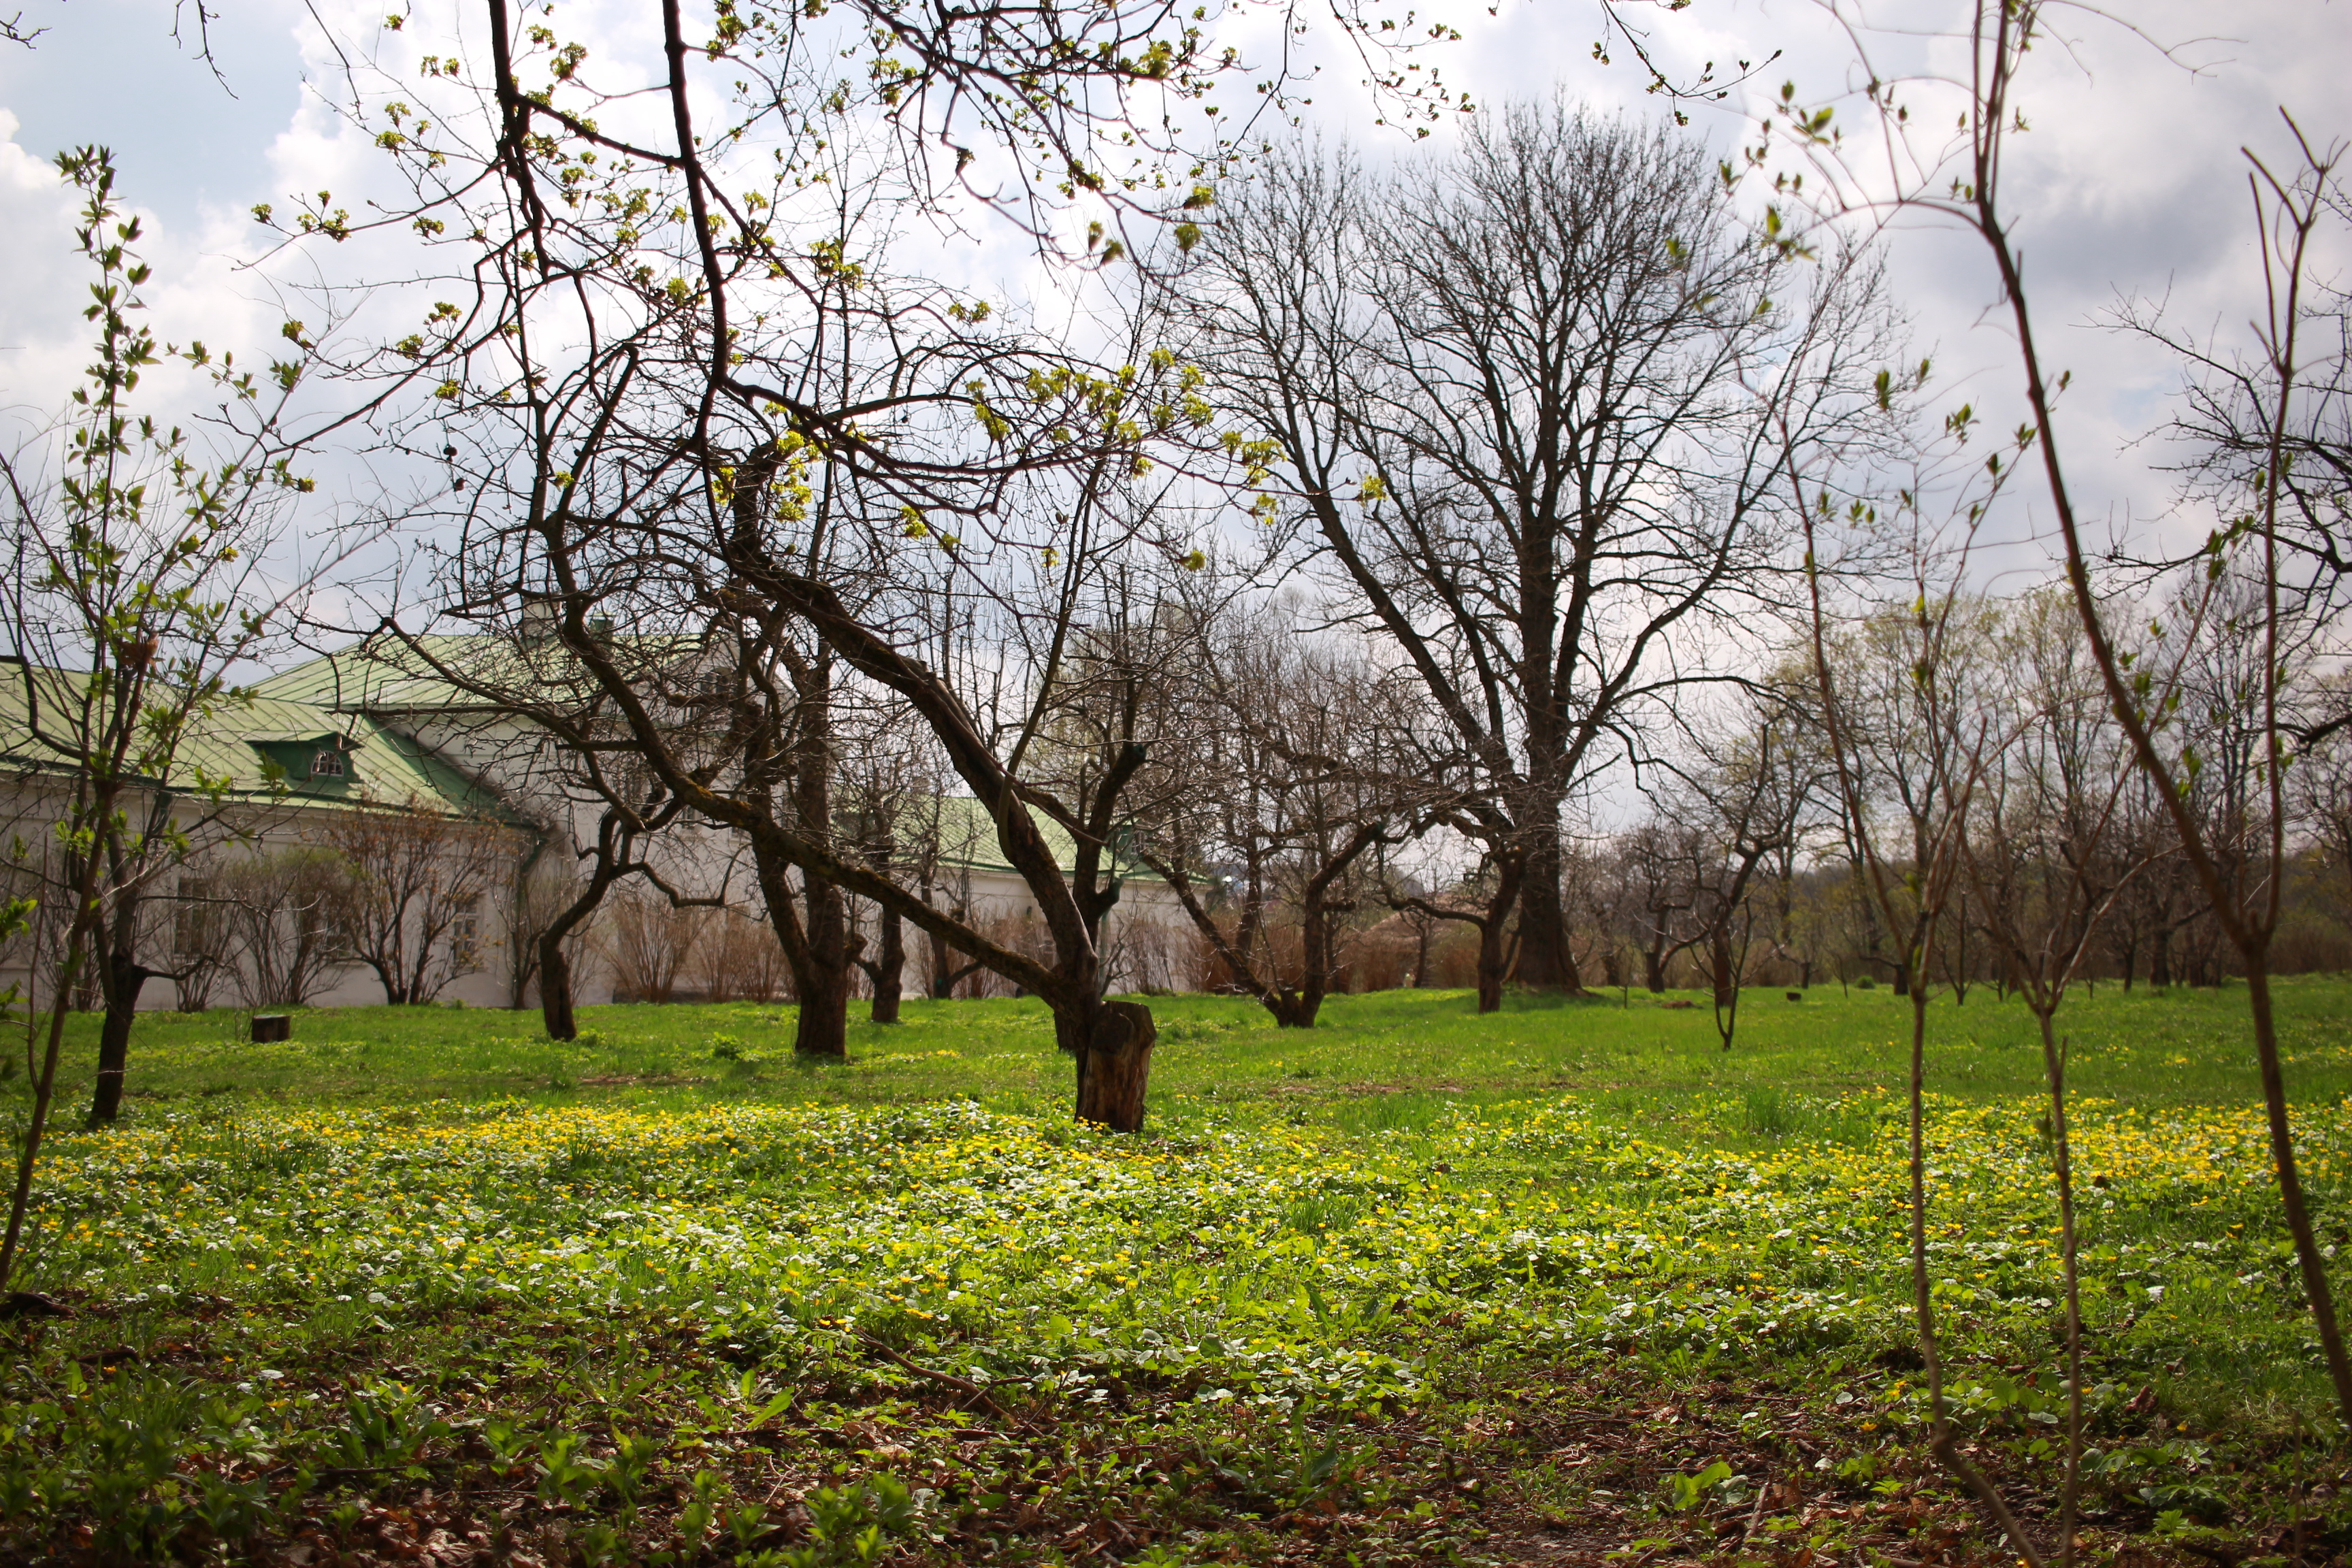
(396, 677)
(967, 834)
(241, 734)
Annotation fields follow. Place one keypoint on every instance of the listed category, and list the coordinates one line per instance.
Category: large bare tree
(1530, 401)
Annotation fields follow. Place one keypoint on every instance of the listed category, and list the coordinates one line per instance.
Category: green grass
(1413, 1286)
(1639, 1060)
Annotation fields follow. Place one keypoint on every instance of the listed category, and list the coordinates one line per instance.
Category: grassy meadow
(1570, 1284)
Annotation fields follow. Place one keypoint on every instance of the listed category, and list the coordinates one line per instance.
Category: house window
(465, 936)
(327, 764)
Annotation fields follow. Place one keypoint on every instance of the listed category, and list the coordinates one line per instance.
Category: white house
(267, 791)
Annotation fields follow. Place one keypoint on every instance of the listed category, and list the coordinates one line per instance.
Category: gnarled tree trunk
(555, 988)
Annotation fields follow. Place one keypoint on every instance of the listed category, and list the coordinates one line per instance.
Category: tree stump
(1115, 1067)
(270, 1026)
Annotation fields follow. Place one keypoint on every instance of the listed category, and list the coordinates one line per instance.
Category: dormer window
(298, 757)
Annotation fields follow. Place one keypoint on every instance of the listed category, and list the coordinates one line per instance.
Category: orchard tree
(1300, 764)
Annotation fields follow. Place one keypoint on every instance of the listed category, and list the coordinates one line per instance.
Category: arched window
(327, 764)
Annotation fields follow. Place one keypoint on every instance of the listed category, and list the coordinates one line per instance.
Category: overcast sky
(2130, 183)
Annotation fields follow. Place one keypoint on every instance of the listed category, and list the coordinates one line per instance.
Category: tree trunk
(1114, 1043)
(555, 988)
(555, 964)
(812, 928)
(122, 977)
(1490, 965)
(2061, 1167)
(824, 1027)
(1547, 960)
(1297, 1009)
(889, 969)
(821, 972)
(114, 1047)
(1421, 961)
(2317, 1294)
(1653, 973)
(44, 1086)
(1718, 952)
(1901, 978)
(2159, 961)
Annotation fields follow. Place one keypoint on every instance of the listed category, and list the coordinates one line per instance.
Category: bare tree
(1745, 801)
(411, 903)
(2321, 791)
(614, 856)
(1526, 400)
(282, 908)
(2240, 425)
(1654, 859)
(1298, 766)
(884, 787)
(2151, 908)
(1483, 900)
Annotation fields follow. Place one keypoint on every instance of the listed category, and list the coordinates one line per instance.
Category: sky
(2130, 183)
